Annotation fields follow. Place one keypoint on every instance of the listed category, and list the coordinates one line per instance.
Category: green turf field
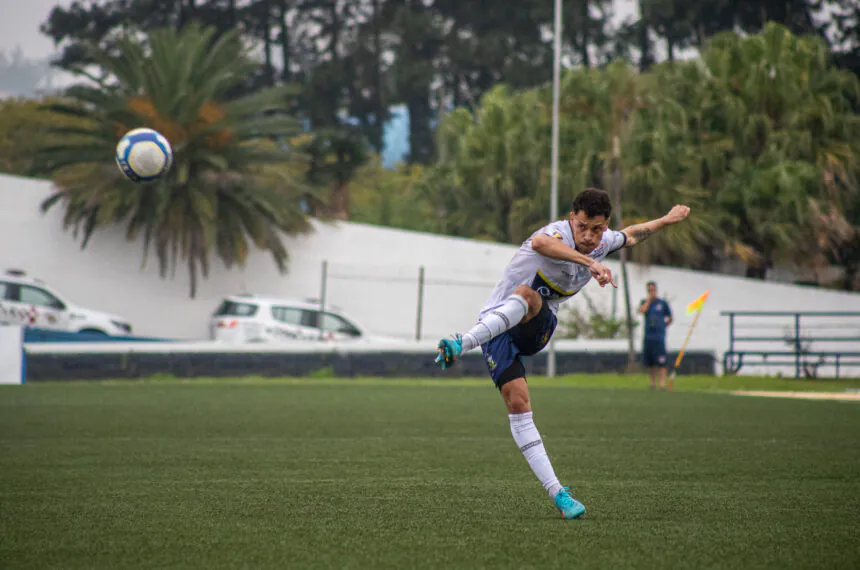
(398, 475)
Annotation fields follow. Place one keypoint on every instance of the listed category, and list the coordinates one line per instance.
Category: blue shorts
(503, 352)
(654, 353)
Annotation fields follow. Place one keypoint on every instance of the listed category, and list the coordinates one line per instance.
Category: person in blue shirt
(658, 316)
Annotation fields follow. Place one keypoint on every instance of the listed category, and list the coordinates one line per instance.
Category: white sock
(528, 440)
(502, 318)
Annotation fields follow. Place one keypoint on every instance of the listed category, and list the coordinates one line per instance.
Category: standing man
(658, 316)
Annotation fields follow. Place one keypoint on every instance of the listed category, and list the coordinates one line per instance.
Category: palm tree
(625, 132)
(793, 138)
(492, 168)
(335, 155)
(231, 184)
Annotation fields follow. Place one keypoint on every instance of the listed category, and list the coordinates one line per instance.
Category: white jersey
(554, 279)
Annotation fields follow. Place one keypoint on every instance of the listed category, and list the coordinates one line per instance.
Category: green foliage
(493, 162)
(232, 185)
(334, 154)
(391, 198)
(789, 137)
(592, 324)
(19, 116)
(756, 137)
(759, 135)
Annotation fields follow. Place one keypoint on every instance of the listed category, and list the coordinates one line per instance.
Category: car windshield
(235, 309)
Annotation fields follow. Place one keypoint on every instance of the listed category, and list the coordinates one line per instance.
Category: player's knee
(519, 404)
(532, 297)
(516, 397)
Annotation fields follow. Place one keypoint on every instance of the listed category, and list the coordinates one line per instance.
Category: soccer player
(550, 267)
(658, 316)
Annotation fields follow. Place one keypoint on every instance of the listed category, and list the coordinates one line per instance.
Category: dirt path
(842, 396)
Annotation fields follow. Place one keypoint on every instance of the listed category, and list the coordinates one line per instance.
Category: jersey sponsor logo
(547, 290)
(557, 235)
(580, 270)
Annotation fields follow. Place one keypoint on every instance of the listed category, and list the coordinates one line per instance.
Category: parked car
(32, 303)
(253, 318)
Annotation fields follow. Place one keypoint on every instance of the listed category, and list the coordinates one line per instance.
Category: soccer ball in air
(144, 155)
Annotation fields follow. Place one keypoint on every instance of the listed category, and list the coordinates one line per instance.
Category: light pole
(553, 196)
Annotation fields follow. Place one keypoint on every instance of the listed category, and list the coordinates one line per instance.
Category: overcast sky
(19, 28)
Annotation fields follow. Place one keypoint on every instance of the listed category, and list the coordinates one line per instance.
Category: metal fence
(810, 342)
(411, 294)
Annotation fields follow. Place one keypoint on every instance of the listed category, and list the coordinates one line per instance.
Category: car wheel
(94, 332)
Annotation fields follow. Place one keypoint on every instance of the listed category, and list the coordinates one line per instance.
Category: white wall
(373, 274)
(11, 355)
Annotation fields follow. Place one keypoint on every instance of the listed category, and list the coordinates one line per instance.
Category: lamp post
(553, 199)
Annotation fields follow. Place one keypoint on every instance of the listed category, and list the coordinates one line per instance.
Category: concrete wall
(64, 365)
(373, 274)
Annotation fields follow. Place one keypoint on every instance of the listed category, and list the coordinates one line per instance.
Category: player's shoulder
(610, 242)
(558, 229)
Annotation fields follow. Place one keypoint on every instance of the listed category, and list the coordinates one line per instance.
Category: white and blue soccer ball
(144, 155)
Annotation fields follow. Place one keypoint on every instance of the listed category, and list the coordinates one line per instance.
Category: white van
(254, 318)
(32, 303)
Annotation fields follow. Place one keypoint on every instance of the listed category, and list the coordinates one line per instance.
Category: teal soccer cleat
(569, 507)
(449, 349)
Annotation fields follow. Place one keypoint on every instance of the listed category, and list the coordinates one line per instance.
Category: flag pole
(701, 303)
(683, 350)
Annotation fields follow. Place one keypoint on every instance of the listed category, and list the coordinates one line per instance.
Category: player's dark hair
(649, 284)
(593, 202)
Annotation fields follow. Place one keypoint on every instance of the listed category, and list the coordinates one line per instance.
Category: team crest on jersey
(491, 363)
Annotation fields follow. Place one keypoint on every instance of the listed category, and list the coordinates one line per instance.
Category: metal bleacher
(809, 342)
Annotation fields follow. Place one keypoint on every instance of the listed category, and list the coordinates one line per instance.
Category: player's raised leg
(508, 373)
(522, 306)
(527, 437)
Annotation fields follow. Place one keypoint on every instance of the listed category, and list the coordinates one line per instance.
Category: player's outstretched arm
(638, 233)
(554, 249)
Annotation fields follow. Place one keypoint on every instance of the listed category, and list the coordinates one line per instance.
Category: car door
(309, 325)
(288, 323)
(335, 327)
(10, 312)
(37, 308)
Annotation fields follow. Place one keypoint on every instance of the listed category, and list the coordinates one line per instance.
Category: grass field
(325, 474)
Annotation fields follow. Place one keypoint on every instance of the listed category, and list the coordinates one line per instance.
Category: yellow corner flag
(694, 307)
(698, 303)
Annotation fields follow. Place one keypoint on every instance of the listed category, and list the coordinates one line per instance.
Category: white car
(31, 303)
(253, 318)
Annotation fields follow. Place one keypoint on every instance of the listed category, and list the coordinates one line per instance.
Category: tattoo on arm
(641, 234)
